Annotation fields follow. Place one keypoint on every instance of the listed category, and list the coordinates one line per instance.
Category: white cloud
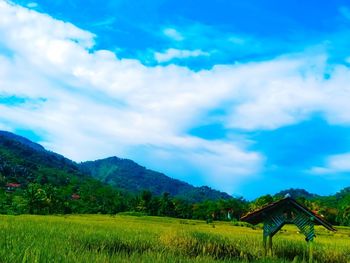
(279, 92)
(290, 89)
(173, 34)
(339, 163)
(98, 105)
(173, 53)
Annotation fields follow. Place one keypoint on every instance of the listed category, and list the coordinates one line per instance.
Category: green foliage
(128, 175)
(52, 184)
(261, 201)
(167, 207)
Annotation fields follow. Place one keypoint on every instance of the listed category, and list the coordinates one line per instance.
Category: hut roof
(259, 215)
(13, 185)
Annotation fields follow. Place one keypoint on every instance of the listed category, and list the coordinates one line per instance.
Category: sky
(248, 97)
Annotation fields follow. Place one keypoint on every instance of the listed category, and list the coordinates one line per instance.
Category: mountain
(36, 181)
(22, 140)
(128, 175)
(23, 161)
(296, 193)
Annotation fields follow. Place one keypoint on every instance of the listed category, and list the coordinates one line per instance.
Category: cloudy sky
(248, 97)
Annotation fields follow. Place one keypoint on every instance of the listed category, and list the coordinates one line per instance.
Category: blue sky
(248, 97)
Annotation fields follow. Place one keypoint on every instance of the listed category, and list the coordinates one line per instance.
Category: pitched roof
(259, 215)
(13, 185)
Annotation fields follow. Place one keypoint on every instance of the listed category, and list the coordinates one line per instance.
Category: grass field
(121, 238)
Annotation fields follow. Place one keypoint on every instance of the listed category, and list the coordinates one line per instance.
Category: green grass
(123, 238)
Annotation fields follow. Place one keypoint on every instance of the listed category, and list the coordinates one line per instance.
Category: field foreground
(121, 238)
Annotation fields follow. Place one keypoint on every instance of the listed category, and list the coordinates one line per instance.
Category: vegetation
(133, 178)
(36, 181)
(98, 238)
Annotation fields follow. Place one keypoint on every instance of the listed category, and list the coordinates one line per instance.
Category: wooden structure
(286, 211)
(11, 187)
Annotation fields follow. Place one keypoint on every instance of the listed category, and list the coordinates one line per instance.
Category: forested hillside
(128, 175)
(33, 180)
(36, 181)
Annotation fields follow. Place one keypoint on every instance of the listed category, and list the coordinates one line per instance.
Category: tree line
(94, 197)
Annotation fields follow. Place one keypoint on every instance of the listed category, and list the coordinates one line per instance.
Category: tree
(344, 216)
(232, 208)
(261, 201)
(167, 207)
(38, 202)
(19, 204)
(154, 209)
(183, 209)
(145, 202)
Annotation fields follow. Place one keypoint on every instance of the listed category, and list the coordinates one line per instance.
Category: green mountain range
(128, 175)
(36, 181)
(23, 162)
(296, 193)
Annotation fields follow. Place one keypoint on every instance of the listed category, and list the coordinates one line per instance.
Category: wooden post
(311, 239)
(270, 245)
(311, 256)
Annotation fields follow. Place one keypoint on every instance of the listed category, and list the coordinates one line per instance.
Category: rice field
(122, 238)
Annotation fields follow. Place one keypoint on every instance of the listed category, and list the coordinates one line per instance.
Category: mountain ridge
(127, 174)
(82, 168)
(122, 174)
(296, 193)
(36, 181)
(22, 140)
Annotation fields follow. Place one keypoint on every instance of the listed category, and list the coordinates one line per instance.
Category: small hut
(11, 187)
(286, 211)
